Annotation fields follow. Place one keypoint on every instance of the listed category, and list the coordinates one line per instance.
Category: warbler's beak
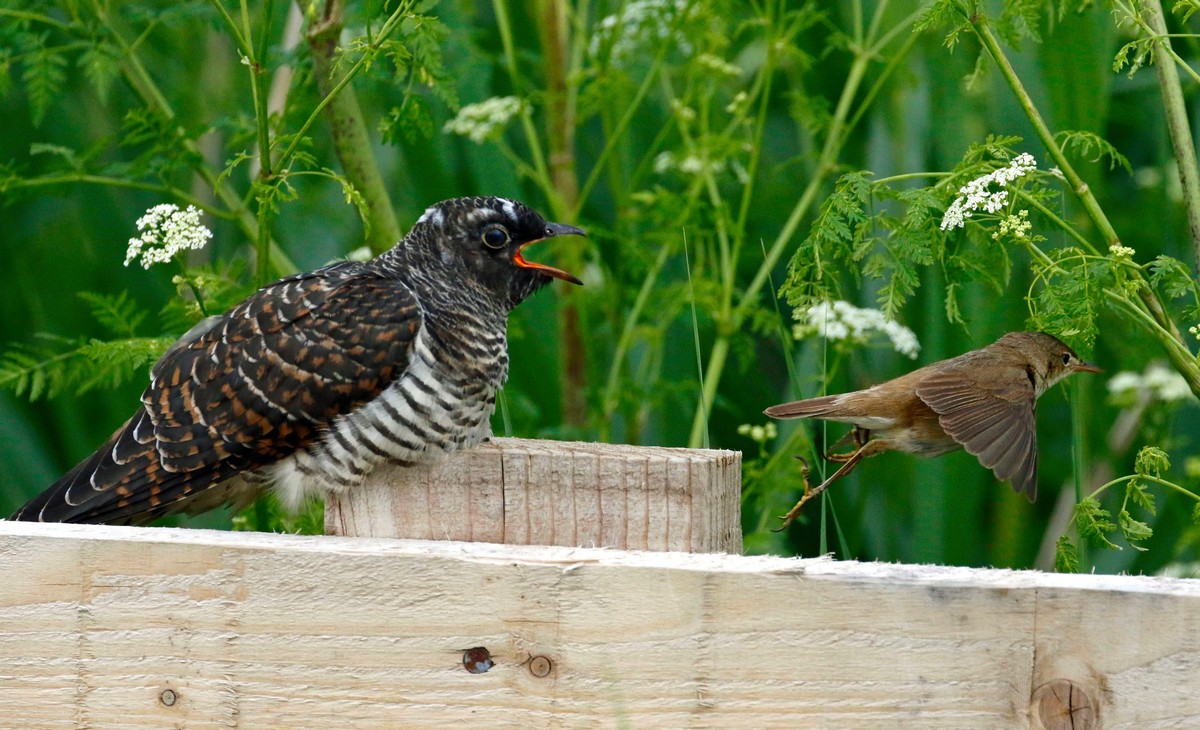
(1087, 367)
(552, 230)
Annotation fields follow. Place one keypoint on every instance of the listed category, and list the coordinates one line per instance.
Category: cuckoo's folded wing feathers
(250, 389)
(992, 420)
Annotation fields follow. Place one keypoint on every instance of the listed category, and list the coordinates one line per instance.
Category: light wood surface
(535, 492)
(245, 630)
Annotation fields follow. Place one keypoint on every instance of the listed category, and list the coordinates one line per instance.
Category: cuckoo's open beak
(552, 230)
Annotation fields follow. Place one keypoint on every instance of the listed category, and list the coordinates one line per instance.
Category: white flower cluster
(164, 231)
(641, 24)
(1121, 252)
(484, 120)
(843, 321)
(1195, 330)
(688, 165)
(759, 434)
(1156, 383)
(976, 194)
(1017, 226)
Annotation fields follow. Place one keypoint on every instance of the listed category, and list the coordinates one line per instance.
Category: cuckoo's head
(481, 241)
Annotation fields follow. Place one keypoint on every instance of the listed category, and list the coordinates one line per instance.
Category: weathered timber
(116, 627)
(533, 492)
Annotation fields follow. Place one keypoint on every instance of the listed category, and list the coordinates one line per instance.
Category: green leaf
(1139, 494)
(64, 153)
(411, 120)
(119, 314)
(36, 371)
(1072, 297)
(1094, 522)
(1172, 277)
(1151, 461)
(101, 64)
(44, 77)
(840, 224)
(114, 362)
(1133, 530)
(1092, 147)
(1066, 556)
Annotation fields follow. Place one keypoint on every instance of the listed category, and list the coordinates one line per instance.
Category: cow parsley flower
(843, 321)
(759, 434)
(978, 195)
(486, 119)
(164, 232)
(1016, 225)
(1158, 382)
(1121, 252)
(641, 24)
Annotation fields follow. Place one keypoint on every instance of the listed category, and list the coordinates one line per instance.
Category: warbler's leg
(860, 436)
(869, 448)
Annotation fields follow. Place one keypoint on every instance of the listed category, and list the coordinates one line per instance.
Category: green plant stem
(826, 163)
(1175, 110)
(1155, 480)
(561, 103)
(609, 401)
(368, 55)
(1172, 341)
(617, 135)
(1074, 181)
(115, 182)
(348, 129)
(143, 85)
(542, 176)
(1158, 32)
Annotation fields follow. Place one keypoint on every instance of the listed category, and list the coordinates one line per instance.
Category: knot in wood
(540, 666)
(168, 697)
(1064, 705)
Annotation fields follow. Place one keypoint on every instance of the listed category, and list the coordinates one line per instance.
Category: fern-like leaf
(119, 314)
(1092, 147)
(44, 77)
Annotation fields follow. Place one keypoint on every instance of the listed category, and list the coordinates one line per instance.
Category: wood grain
(253, 631)
(533, 492)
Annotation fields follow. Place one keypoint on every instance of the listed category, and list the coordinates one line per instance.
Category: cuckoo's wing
(256, 385)
(994, 420)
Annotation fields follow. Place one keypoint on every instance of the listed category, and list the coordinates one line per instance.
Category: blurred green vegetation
(695, 141)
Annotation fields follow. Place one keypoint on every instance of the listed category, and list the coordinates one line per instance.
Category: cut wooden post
(532, 492)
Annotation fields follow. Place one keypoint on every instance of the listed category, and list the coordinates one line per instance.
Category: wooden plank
(251, 630)
(532, 492)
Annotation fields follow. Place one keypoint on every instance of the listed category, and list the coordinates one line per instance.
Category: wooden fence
(119, 627)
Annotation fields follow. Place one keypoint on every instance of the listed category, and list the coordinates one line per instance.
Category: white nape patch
(510, 210)
(478, 215)
(433, 215)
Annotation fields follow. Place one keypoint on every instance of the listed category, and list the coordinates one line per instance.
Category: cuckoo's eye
(495, 237)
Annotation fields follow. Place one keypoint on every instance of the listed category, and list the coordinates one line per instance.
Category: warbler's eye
(1066, 358)
(495, 237)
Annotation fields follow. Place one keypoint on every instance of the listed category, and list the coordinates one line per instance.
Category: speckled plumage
(315, 379)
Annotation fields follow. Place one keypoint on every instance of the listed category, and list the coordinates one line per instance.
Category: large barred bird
(315, 379)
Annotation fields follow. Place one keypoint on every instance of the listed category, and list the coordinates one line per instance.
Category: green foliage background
(696, 141)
